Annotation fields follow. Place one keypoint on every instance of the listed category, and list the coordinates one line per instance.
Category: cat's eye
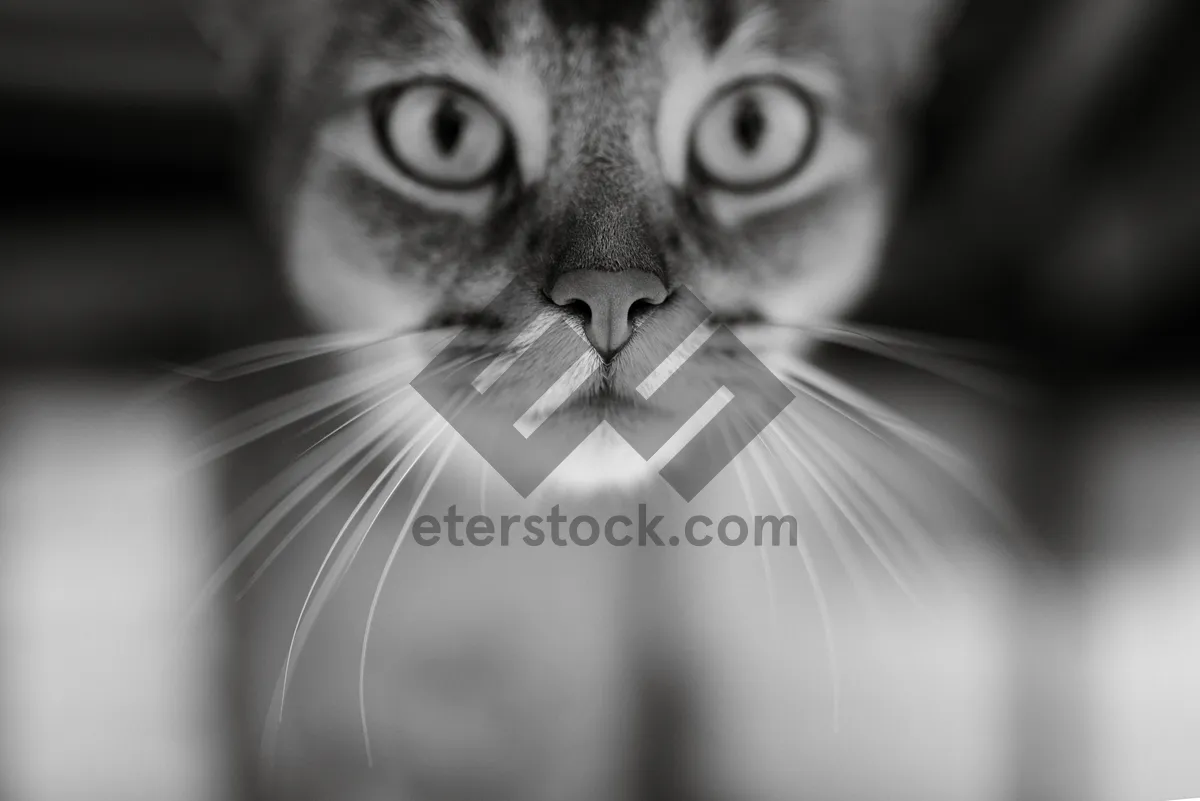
(441, 134)
(754, 136)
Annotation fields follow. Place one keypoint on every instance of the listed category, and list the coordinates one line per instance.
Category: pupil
(447, 126)
(749, 124)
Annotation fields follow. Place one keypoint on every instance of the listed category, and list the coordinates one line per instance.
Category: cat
(600, 163)
(421, 156)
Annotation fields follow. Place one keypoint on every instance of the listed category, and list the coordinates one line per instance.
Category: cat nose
(611, 299)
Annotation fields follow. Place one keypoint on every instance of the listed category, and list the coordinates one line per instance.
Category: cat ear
(236, 32)
(898, 39)
(935, 19)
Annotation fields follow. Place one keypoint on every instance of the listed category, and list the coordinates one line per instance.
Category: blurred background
(1054, 211)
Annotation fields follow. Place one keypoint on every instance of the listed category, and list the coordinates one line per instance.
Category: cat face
(427, 154)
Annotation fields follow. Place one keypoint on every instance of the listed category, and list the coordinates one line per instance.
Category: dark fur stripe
(719, 20)
(479, 16)
(600, 15)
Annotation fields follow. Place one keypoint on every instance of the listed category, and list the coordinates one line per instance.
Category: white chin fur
(604, 462)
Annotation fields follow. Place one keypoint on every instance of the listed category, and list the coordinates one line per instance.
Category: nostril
(580, 308)
(641, 308)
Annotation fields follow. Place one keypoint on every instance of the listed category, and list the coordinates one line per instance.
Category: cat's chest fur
(552, 671)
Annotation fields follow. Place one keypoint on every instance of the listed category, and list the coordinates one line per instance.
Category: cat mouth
(600, 403)
(607, 402)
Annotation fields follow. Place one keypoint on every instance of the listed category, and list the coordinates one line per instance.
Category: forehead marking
(720, 18)
(602, 16)
(481, 21)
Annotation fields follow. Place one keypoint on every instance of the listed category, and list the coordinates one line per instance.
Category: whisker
(392, 468)
(973, 377)
(353, 473)
(387, 568)
(256, 358)
(390, 396)
(957, 362)
(279, 512)
(265, 498)
(825, 517)
(850, 514)
(339, 409)
(350, 551)
(768, 576)
(877, 493)
(301, 466)
(322, 588)
(267, 356)
(359, 537)
(885, 336)
(810, 568)
(851, 505)
(227, 373)
(346, 405)
(788, 377)
(342, 566)
(953, 463)
(280, 353)
(214, 370)
(250, 426)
